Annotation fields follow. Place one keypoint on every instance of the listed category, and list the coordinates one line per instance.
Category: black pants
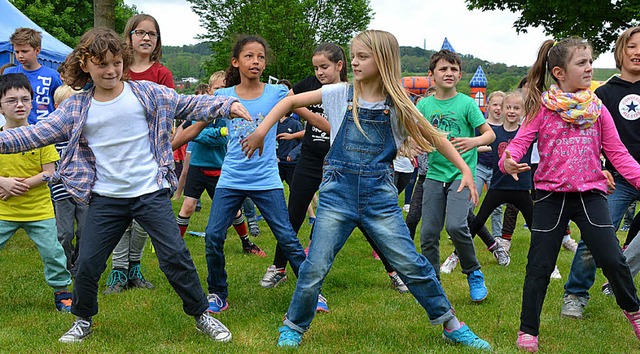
(551, 213)
(106, 221)
(415, 210)
(286, 171)
(520, 200)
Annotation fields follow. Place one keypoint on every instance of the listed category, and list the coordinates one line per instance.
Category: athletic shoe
(252, 248)
(398, 284)
(197, 233)
(607, 290)
(501, 255)
(477, 290)
(634, 319)
(137, 280)
(556, 273)
(216, 304)
(375, 256)
(273, 277)
(573, 306)
(506, 244)
(78, 332)
(449, 264)
(306, 251)
(312, 220)
(254, 229)
(465, 336)
(206, 324)
(117, 282)
(406, 208)
(289, 338)
(527, 342)
(322, 304)
(63, 301)
(570, 245)
(624, 228)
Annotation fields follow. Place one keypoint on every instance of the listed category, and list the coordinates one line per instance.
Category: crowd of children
(245, 139)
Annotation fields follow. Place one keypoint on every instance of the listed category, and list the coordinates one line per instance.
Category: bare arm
(486, 137)
(314, 119)
(290, 136)
(36, 180)
(187, 134)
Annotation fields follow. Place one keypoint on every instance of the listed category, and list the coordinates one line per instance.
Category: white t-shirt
(118, 135)
(402, 164)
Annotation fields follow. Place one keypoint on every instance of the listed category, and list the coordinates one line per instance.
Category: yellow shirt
(35, 204)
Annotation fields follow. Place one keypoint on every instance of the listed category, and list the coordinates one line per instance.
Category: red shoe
(254, 249)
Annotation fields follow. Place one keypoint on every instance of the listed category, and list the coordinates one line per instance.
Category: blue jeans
(373, 207)
(583, 267)
(224, 206)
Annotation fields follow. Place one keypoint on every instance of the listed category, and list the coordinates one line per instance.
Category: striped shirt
(77, 170)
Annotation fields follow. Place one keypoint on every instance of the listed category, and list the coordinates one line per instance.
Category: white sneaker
(556, 273)
(78, 332)
(406, 208)
(212, 327)
(273, 277)
(506, 244)
(570, 245)
(449, 264)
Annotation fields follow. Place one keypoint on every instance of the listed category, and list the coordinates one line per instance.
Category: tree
(67, 20)
(104, 13)
(291, 28)
(598, 21)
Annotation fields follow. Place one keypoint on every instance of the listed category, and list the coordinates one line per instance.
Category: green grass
(367, 316)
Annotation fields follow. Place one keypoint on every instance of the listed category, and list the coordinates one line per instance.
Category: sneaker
(624, 228)
(525, 226)
(606, 289)
(556, 273)
(289, 338)
(197, 233)
(570, 245)
(252, 248)
(63, 301)
(312, 220)
(501, 255)
(205, 323)
(117, 282)
(137, 280)
(322, 304)
(406, 208)
(477, 290)
(506, 244)
(634, 319)
(273, 277)
(398, 284)
(465, 336)
(78, 332)
(527, 342)
(573, 306)
(375, 256)
(254, 229)
(216, 304)
(449, 264)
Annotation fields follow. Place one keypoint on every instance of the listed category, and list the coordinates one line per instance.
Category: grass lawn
(367, 315)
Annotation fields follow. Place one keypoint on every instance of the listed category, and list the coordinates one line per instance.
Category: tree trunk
(104, 13)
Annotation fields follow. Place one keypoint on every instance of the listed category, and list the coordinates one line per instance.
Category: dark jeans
(106, 221)
(551, 213)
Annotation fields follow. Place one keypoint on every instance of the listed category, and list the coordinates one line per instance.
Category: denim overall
(357, 190)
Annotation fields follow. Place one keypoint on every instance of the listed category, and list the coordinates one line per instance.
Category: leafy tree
(104, 13)
(67, 20)
(598, 21)
(291, 28)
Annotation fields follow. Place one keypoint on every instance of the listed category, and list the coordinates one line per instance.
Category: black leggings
(521, 200)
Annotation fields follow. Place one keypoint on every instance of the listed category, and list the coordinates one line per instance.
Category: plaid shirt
(77, 167)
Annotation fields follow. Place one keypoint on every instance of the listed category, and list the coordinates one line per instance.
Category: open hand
(512, 167)
(237, 110)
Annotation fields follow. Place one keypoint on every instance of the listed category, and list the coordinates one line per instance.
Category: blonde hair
(218, 75)
(516, 94)
(386, 54)
(495, 94)
(62, 93)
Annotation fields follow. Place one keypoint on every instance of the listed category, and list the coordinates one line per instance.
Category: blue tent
(53, 51)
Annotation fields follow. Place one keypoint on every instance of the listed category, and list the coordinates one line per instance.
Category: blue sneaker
(465, 336)
(289, 338)
(322, 304)
(477, 289)
(63, 300)
(216, 304)
(312, 220)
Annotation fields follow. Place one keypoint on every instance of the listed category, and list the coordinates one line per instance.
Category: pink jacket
(570, 156)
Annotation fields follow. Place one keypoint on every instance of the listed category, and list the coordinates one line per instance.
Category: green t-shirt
(458, 116)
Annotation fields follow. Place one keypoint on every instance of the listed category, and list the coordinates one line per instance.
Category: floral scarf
(581, 108)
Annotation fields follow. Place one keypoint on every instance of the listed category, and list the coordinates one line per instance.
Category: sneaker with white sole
(449, 264)
(397, 283)
(527, 342)
(573, 306)
(556, 273)
(216, 304)
(273, 277)
(207, 324)
(634, 319)
(80, 329)
(500, 254)
(406, 208)
(322, 305)
(506, 244)
(570, 245)
(607, 290)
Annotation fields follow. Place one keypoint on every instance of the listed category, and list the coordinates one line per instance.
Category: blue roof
(53, 51)
(446, 45)
(479, 79)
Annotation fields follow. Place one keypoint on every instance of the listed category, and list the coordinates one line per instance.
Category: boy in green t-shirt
(457, 115)
(25, 201)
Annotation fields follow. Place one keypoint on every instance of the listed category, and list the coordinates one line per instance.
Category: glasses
(14, 102)
(142, 33)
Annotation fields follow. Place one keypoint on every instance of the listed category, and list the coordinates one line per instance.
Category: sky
(486, 35)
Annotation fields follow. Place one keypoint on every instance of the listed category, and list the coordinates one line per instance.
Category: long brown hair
(133, 22)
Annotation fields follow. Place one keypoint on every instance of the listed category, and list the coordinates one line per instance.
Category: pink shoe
(634, 319)
(375, 255)
(527, 342)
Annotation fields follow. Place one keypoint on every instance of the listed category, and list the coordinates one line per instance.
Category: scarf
(581, 108)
